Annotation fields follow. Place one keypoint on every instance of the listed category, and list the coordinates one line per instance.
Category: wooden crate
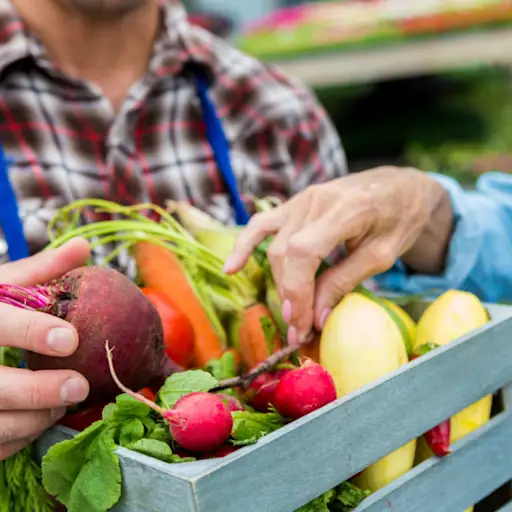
(299, 462)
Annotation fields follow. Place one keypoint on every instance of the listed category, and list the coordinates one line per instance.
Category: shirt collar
(176, 46)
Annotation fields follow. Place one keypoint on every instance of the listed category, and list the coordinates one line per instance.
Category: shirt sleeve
(478, 259)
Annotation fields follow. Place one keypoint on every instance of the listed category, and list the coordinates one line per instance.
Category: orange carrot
(311, 350)
(251, 337)
(160, 269)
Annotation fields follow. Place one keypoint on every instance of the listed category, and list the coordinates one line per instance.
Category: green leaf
(269, 331)
(223, 368)
(128, 407)
(248, 427)
(10, 357)
(349, 496)
(320, 504)
(160, 433)
(153, 448)
(84, 472)
(109, 413)
(425, 349)
(130, 432)
(180, 384)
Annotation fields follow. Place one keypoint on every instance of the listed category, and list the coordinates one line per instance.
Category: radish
(260, 394)
(304, 390)
(223, 451)
(102, 304)
(199, 422)
(232, 403)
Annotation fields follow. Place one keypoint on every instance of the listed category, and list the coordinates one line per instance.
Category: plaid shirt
(67, 143)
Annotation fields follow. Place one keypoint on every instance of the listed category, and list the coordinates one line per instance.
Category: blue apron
(9, 215)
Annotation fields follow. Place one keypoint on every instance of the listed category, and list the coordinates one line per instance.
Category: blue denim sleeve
(480, 253)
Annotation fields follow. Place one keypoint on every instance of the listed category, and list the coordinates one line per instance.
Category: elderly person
(113, 99)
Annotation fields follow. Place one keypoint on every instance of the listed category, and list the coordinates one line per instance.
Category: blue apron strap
(10, 221)
(220, 147)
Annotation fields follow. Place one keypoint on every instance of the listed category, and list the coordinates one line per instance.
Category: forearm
(428, 254)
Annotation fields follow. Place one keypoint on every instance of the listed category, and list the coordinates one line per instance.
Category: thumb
(46, 265)
(336, 282)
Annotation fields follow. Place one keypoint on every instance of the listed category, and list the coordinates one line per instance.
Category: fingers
(260, 227)
(46, 389)
(19, 427)
(366, 261)
(46, 265)
(37, 332)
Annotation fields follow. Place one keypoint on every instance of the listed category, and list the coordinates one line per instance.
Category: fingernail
(74, 391)
(293, 336)
(61, 340)
(324, 316)
(57, 414)
(286, 311)
(228, 264)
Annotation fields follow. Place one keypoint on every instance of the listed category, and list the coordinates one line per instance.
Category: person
(415, 232)
(99, 98)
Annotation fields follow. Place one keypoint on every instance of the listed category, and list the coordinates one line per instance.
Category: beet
(102, 304)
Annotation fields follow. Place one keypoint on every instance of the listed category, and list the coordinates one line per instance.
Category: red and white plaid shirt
(67, 143)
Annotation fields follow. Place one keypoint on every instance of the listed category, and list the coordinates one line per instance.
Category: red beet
(200, 422)
(232, 403)
(304, 390)
(102, 305)
(260, 394)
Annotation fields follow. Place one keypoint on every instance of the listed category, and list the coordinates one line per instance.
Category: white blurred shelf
(403, 59)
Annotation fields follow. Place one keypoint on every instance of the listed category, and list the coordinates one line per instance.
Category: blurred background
(410, 82)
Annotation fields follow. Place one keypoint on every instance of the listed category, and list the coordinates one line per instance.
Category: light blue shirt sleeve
(480, 253)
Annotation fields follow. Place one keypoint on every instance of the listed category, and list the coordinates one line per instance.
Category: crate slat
(479, 464)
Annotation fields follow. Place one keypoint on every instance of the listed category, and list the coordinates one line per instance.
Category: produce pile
(189, 363)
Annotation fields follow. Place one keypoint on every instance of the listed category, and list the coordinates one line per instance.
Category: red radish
(438, 439)
(102, 304)
(260, 394)
(232, 403)
(304, 390)
(199, 422)
(223, 451)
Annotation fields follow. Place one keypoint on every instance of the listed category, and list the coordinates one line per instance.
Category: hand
(30, 402)
(380, 215)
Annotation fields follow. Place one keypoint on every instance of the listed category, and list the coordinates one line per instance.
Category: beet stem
(128, 391)
(265, 366)
(33, 298)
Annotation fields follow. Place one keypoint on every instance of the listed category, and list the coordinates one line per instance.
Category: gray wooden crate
(299, 462)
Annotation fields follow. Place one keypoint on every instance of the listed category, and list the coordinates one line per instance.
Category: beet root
(104, 305)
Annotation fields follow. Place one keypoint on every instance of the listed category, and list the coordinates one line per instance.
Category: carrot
(311, 350)
(160, 269)
(252, 344)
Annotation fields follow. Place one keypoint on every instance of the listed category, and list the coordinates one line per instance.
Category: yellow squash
(361, 343)
(452, 315)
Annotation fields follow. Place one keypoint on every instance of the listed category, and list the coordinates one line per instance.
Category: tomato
(178, 331)
(81, 419)
(147, 393)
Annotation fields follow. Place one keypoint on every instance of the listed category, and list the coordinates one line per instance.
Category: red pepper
(438, 437)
